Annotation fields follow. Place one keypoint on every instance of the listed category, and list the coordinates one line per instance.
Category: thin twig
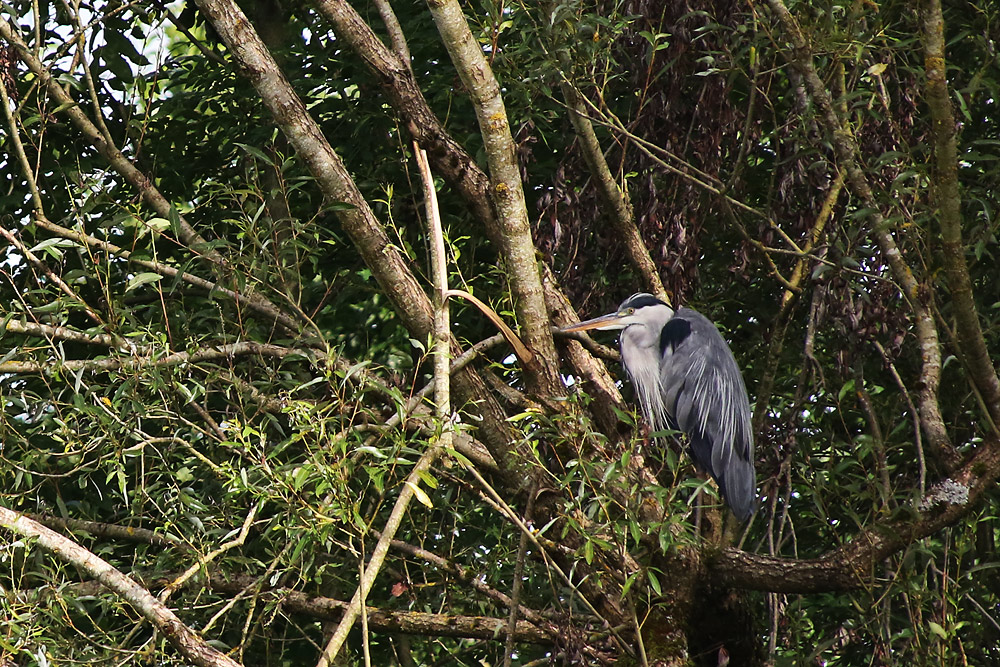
(212, 353)
(240, 539)
(515, 594)
(442, 398)
(184, 639)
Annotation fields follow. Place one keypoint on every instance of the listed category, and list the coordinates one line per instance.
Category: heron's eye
(629, 311)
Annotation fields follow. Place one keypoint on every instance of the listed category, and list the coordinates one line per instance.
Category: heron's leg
(708, 519)
(697, 513)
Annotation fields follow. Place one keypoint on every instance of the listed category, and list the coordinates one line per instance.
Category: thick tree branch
(394, 30)
(417, 623)
(382, 257)
(847, 151)
(945, 188)
(111, 530)
(259, 67)
(185, 640)
(615, 201)
(49, 332)
(329, 609)
(853, 565)
(447, 157)
(516, 245)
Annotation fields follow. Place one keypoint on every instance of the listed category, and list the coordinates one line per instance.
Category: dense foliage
(215, 343)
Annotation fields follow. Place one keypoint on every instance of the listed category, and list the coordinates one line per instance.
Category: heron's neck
(640, 346)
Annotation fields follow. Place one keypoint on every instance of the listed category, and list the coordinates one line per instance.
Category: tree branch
(58, 333)
(417, 623)
(516, 245)
(380, 255)
(185, 640)
(252, 301)
(846, 151)
(442, 402)
(853, 564)
(945, 188)
(447, 157)
(110, 530)
(102, 144)
(368, 235)
(615, 201)
(212, 353)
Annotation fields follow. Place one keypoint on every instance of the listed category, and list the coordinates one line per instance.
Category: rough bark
(945, 188)
(369, 237)
(180, 636)
(853, 564)
(449, 160)
(516, 245)
(417, 623)
(447, 157)
(846, 151)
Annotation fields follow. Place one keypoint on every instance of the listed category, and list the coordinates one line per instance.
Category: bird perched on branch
(686, 379)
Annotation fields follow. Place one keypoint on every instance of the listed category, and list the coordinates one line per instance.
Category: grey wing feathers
(706, 397)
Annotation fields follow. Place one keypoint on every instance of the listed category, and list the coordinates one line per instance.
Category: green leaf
(257, 153)
(654, 582)
(419, 493)
(142, 279)
(628, 584)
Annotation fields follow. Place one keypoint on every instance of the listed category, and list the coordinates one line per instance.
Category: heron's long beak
(609, 321)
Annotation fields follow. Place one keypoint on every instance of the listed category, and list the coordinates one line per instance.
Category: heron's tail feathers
(738, 485)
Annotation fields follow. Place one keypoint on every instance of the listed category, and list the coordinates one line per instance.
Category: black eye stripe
(640, 300)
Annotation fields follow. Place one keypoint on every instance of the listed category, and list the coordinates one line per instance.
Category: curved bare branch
(949, 209)
(516, 245)
(183, 638)
(851, 565)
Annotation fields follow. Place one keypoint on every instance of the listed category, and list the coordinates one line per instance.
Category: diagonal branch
(516, 245)
(449, 160)
(50, 274)
(102, 144)
(455, 166)
(253, 301)
(183, 638)
(369, 237)
(847, 152)
(387, 620)
(949, 209)
(616, 205)
(50, 332)
(442, 400)
(851, 565)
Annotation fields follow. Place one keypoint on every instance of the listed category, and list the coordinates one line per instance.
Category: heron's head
(641, 308)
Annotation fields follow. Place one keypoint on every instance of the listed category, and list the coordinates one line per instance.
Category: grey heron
(686, 379)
